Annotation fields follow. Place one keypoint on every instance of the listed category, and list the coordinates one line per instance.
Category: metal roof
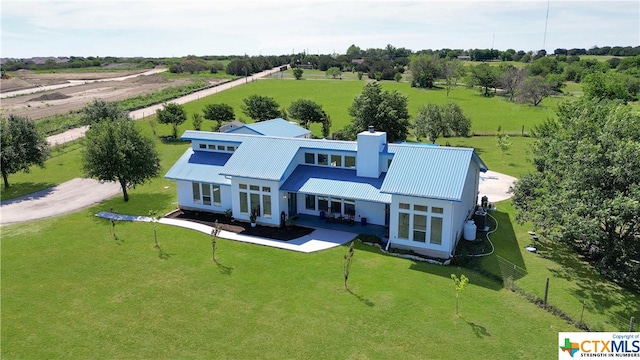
(437, 172)
(335, 182)
(200, 166)
(275, 127)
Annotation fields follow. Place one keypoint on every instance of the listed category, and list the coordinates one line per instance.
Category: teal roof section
(335, 182)
(275, 127)
(200, 166)
(435, 172)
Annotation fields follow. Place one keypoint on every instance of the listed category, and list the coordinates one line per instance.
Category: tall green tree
(484, 76)
(457, 123)
(334, 72)
(21, 146)
(586, 187)
(307, 111)
(429, 123)
(117, 151)
(100, 110)
(452, 71)
(384, 110)
(534, 89)
(173, 114)
(297, 73)
(425, 69)
(219, 112)
(261, 108)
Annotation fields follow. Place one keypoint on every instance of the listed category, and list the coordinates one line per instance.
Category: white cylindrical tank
(470, 230)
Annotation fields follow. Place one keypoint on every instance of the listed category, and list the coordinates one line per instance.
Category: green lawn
(68, 294)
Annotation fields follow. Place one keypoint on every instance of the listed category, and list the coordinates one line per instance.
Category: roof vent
(371, 130)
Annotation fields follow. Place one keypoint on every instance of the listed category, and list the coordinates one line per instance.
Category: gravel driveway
(67, 197)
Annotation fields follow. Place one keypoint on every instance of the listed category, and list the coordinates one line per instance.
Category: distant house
(274, 127)
(464, 57)
(357, 61)
(422, 194)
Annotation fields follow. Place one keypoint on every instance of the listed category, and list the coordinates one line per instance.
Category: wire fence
(585, 318)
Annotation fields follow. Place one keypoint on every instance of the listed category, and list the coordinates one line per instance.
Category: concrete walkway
(319, 239)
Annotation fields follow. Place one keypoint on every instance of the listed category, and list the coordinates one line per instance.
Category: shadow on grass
(600, 295)
(445, 271)
(361, 298)
(24, 191)
(163, 255)
(225, 270)
(478, 330)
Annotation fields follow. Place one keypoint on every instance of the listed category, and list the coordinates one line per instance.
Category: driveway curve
(65, 198)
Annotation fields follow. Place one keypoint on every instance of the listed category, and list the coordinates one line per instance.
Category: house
(423, 194)
(230, 126)
(274, 127)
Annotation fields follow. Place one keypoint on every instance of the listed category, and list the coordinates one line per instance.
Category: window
(203, 146)
(309, 158)
(350, 161)
(196, 192)
(254, 187)
(419, 227)
(336, 206)
(310, 202)
(403, 206)
(216, 195)
(266, 203)
(242, 186)
(336, 160)
(266, 189)
(403, 225)
(255, 202)
(212, 147)
(221, 147)
(231, 148)
(349, 207)
(436, 231)
(420, 208)
(323, 203)
(437, 210)
(322, 159)
(206, 194)
(244, 206)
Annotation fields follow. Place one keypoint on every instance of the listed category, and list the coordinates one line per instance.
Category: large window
(244, 205)
(323, 203)
(419, 227)
(336, 206)
(349, 207)
(266, 202)
(216, 195)
(403, 225)
(206, 194)
(196, 192)
(310, 202)
(323, 159)
(255, 201)
(436, 231)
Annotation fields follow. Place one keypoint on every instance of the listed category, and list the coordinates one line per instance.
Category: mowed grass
(71, 291)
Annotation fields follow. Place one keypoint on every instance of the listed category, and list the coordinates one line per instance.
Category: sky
(161, 28)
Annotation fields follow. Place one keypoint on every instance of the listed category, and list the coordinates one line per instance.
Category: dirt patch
(51, 96)
(151, 79)
(239, 227)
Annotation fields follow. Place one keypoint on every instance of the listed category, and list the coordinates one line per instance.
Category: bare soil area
(62, 100)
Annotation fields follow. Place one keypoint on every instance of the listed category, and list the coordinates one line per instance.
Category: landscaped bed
(239, 227)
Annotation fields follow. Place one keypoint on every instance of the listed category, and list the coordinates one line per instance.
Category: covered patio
(352, 227)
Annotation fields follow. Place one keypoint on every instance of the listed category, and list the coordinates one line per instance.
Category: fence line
(510, 273)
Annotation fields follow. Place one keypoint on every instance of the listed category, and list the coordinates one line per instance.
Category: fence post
(546, 293)
(631, 324)
(584, 302)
